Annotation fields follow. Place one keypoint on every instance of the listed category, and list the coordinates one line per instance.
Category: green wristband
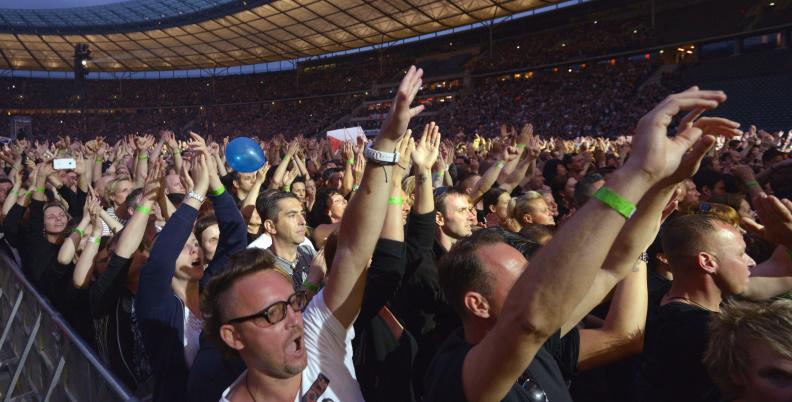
(145, 210)
(95, 239)
(500, 164)
(615, 201)
(142, 157)
(13, 191)
(395, 201)
(310, 286)
(520, 146)
(287, 188)
(350, 161)
(217, 192)
(40, 189)
(78, 231)
(751, 183)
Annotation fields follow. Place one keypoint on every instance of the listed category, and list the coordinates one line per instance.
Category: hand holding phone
(64, 163)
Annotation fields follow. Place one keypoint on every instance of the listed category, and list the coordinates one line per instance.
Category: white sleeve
(323, 332)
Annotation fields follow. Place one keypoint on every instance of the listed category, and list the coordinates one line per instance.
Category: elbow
(534, 324)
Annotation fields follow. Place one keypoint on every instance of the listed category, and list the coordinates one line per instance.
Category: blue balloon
(245, 155)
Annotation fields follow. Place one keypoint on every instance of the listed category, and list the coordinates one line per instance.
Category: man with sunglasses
(252, 309)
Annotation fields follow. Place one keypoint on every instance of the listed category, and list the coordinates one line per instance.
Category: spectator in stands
(280, 343)
(167, 305)
(531, 208)
(284, 221)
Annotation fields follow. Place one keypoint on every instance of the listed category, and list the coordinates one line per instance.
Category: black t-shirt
(672, 368)
(546, 379)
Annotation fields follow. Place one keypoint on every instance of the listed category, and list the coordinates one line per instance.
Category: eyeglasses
(276, 312)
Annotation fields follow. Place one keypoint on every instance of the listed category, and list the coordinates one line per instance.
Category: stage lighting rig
(82, 55)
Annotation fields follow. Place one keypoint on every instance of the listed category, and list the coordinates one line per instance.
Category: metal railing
(41, 357)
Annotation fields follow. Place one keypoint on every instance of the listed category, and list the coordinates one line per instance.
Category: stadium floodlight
(82, 54)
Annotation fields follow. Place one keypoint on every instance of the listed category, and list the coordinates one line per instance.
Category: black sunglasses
(276, 312)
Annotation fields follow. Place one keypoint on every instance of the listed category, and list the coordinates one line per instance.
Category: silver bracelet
(196, 196)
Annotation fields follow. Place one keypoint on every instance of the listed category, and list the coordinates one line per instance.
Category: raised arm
(69, 247)
(233, 231)
(81, 277)
(774, 276)
(545, 295)
(280, 171)
(110, 284)
(387, 263)
(424, 152)
(349, 162)
(156, 274)
(364, 216)
(491, 175)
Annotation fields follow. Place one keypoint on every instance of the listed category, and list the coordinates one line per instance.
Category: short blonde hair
(739, 325)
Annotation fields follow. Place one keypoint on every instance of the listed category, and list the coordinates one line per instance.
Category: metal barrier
(41, 357)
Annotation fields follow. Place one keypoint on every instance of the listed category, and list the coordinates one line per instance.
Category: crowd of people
(434, 265)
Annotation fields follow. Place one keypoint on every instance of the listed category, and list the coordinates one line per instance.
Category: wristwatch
(196, 196)
(379, 157)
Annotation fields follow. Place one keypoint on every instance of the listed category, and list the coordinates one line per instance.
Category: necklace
(690, 301)
(247, 387)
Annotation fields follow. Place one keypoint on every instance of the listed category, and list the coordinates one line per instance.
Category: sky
(44, 4)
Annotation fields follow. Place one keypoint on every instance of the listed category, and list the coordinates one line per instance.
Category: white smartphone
(64, 163)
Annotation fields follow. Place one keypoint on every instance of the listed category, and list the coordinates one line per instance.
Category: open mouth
(296, 346)
(196, 263)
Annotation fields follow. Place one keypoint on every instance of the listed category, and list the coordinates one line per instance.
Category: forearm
(348, 180)
(487, 180)
(96, 168)
(357, 236)
(424, 198)
(81, 277)
(111, 222)
(514, 179)
(392, 229)
(69, 246)
(141, 169)
(547, 297)
(280, 171)
(11, 198)
(134, 230)
(770, 278)
(621, 334)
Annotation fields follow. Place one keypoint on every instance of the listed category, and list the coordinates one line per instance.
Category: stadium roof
(140, 35)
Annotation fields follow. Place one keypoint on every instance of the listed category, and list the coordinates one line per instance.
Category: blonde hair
(522, 204)
(739, 325)
(720, 211)
(111, 187)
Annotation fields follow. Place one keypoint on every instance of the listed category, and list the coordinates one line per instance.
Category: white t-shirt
(265, 241)
(329, 348)
(192, 334)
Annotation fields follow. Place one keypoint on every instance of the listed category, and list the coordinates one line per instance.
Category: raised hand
(400, 113)
(189, 185)
(200, 174)
(261, 174)
(348, 151)
(509, 153)
(404, 148)
(656, 155)
(427, 148)
(776, 215)
(154, 180)
(526, 134)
